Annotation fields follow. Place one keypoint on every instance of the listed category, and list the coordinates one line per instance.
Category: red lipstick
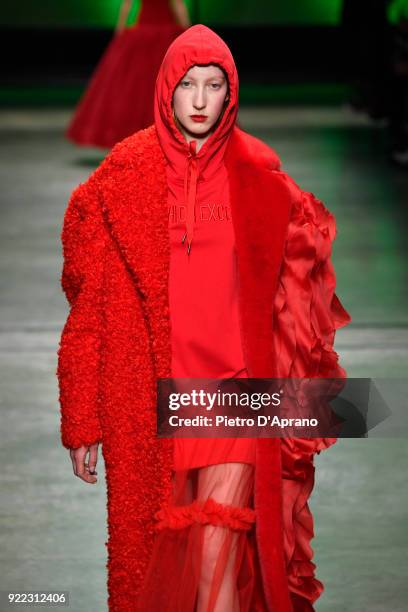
(198, 118)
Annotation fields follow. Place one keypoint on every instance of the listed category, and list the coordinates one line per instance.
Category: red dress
(119, 98)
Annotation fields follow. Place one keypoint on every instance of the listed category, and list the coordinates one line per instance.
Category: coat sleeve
(83, 242)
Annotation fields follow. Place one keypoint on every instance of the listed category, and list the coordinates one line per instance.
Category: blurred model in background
(119, 98)
(398, 120)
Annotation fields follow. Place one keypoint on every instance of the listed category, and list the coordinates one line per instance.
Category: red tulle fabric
(119, 98)
(204, 558)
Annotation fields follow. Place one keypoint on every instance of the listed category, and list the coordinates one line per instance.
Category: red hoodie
(203, 285)
(203, 282)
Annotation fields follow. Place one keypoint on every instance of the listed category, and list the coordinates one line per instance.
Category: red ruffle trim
(297, 482)
(207, 512)
(307, 314)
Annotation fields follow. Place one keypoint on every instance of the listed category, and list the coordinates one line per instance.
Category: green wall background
(103, 13)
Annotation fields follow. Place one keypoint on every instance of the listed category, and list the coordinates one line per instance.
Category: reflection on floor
(53, 524)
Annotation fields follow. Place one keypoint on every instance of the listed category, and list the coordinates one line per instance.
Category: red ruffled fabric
(307, 311)
(207, 512)
(307, 314)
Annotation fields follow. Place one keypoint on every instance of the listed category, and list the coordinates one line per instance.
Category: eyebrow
(221, 76)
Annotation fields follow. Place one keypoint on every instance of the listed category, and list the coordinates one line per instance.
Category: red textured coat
(116, 342)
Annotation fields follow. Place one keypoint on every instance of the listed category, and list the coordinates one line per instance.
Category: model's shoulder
(125, 154)
(134, 153)
(255, 150)
(138, 147)
(305, 204)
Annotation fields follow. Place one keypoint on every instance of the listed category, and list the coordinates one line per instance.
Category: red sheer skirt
(204, 557)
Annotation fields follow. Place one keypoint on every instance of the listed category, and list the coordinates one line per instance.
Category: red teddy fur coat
(116, 342)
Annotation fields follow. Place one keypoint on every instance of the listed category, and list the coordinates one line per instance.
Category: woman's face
(199, 99)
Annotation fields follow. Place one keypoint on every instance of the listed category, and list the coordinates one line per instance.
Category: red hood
(197, 45)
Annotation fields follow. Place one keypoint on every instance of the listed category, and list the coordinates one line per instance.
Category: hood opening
(176, 129)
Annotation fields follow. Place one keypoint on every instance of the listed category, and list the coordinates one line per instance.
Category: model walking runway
(190, 253)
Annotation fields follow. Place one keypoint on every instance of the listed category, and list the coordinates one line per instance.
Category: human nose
(199, 101)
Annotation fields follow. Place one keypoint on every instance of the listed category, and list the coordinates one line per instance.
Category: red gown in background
(119, 98)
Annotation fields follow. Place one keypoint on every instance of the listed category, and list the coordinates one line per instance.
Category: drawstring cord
(190, 191)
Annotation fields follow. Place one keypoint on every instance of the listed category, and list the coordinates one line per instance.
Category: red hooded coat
(117, 339)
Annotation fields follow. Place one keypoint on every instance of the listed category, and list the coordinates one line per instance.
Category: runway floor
(52, 531)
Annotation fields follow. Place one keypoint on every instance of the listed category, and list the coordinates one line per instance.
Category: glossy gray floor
(52, 524)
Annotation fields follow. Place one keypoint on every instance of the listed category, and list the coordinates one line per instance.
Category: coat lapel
(261, 202)
(134, 202)
(260, 208)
